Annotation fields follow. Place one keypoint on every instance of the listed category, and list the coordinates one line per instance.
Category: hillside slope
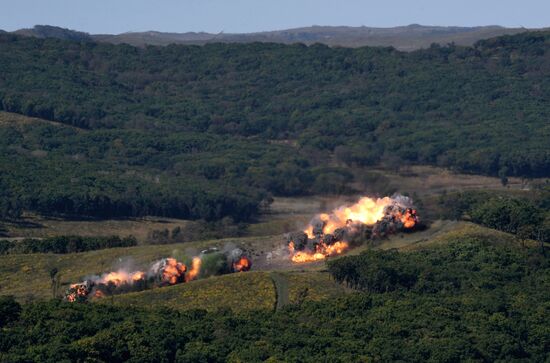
(475, 298)
(26, 276)
(211, 132)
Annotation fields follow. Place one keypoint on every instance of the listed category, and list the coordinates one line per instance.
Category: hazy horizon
(246, 16)
(271, 30)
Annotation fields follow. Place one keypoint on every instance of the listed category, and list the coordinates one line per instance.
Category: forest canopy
(213, 131)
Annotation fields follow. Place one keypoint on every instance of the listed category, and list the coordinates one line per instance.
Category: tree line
(527, 217)
(64, 244)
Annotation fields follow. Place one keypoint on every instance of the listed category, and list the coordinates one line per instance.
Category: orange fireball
(365, 211)
(243, 264)
(327, 231)
(173, 271)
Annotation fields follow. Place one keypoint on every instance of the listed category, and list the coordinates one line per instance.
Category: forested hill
(204, 113)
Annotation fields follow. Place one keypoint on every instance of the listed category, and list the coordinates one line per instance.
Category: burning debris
(329, 234)
(168, 271)
(238, 261)
(165, 272)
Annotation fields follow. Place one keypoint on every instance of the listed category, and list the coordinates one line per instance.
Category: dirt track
(281, 288)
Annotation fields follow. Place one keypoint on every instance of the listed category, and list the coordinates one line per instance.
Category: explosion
(238, 261)
(195, 269)
(168, 271)
(329, 234)
(165, 272)
(243, 264)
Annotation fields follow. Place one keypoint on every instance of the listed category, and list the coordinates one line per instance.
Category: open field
(27, 276)
(272, 283)
(245, 291)
(425, 183)
(141, 228)
(425, 180)
(253, 290)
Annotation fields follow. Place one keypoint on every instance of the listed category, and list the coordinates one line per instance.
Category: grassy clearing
(244, 291)
(427, 180)
(27, 276)
(278, 226)
(284, 207)
(141, 228)
(240, 292)
(470, 230)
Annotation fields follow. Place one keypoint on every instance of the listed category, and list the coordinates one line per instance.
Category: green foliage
(114, 173)
(64, 244)
(208, 132)
(507, 215)
(526, 217)
(9, 310)
(199, 231)
(439, 269)
(471, 300)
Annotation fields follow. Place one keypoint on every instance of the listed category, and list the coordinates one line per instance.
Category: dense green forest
(64, 244)
(213, 131)
(527, 217)
(469, 300)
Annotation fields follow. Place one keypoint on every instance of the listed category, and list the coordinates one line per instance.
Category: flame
(243, 264)
(409, 218)
(322, 251)
(167, 271)
(366, 211)
(326, 231)
(195, 269)
(173, 271)
(139, 275)
(309, 231)
(77, 291)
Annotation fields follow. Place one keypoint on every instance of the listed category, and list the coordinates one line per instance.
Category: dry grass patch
(313, 286)
(141, 228)
(240, 292)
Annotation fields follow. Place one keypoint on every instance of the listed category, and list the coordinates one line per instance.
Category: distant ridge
(48, 31)
(405, 38)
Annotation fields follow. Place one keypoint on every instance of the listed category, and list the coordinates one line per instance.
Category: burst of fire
(326, 234)
(409, 219)
(167, 271)
(195, 269)
(243, 264)
(366, 211)
(322, 251)
(172, 271)
(120, 277)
